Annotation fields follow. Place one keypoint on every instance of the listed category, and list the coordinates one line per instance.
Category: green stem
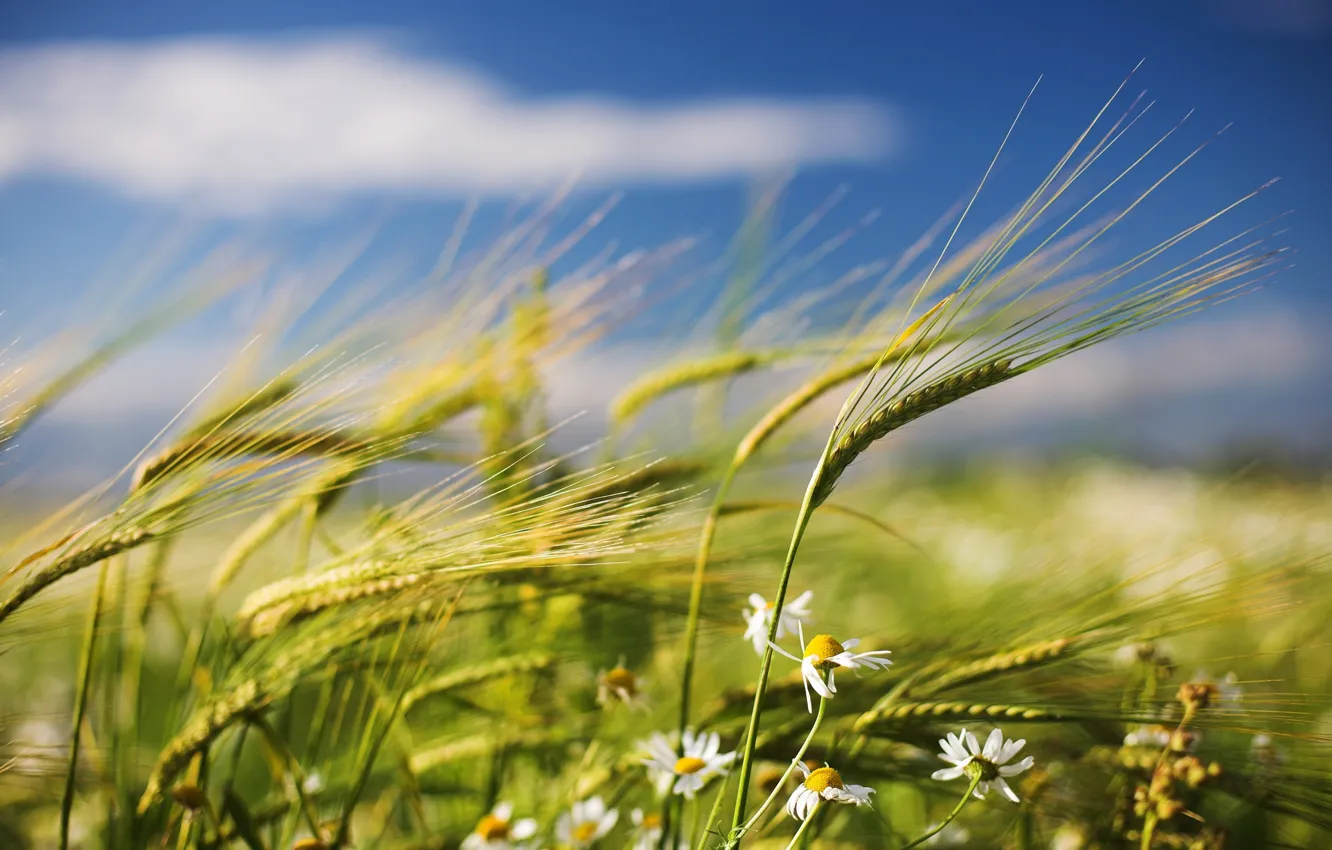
(81, 703)
(714, 816)
(696, 593)
(751, 735)
(957, 810)
(818, 720)
(305, 536)
(1148, 830)
(804, 825)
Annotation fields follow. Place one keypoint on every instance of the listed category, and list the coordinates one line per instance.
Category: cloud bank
(246, 125)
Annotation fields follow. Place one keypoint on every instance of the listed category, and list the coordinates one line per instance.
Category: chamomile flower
(759, 620)
(619, 683)
(824, 783)
(498, 830)
(968, 759)
(585, 822)
(647, 831)
(823, 653)
(687, 773)
(1154, 736)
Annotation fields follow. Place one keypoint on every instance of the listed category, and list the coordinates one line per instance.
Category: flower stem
(957, 810)
(804, 825)
(818, 720)
(696, 592)
(751, 735)
(1148, 830)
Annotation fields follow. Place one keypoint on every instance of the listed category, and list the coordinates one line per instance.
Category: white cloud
(245, 124)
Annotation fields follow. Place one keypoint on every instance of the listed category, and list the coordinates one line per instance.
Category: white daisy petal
(994, 745)
(1007, 792)
(783, 652)
(1015, 769)
(946, 773)
(523, 829)
(814, 678)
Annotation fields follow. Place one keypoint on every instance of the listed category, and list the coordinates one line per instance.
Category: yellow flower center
(491, 828)
(823, 647)
(585, 831)
(769, 605)
(651, 821)
(622, 679)
(824, 777)
(689, 764)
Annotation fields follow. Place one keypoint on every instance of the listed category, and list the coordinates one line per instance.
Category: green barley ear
(899, 413)
(654, 385)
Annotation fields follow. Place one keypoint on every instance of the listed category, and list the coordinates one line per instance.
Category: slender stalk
(81, 703)
(818, 721)
(804, 825)
(957, 810)
(305, 536)
(714, 816)
(696, 593)
(751, 736)
(1148, 830)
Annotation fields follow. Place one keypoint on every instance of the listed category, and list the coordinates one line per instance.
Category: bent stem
(807, 506)
(800, 755)
(804, 825)
(957, 810)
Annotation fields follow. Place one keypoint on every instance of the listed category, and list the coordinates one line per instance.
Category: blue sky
(681, 103)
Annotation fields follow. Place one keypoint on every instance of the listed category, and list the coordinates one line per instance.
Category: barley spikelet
(71, 562)
(654, 385)
(203, 727)
(225, 444)
(801, 398)
(267, 396)
(479, 746)
(269, 524)
(904, 410)
(906, 712)
(476, 674)
(813, 389)
(1027, 656)
(664, 474)
(269, 619)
